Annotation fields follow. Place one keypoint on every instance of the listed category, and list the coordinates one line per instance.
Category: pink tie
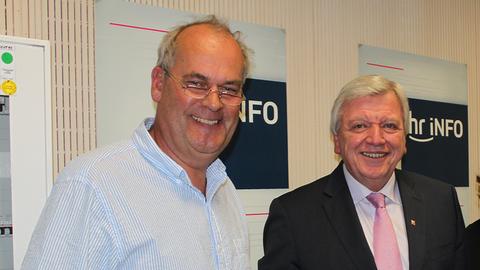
(385, 247)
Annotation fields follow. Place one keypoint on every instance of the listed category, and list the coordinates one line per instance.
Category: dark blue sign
(437, 145)
(257, 156)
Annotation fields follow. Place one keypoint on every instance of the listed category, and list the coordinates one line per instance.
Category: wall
(68, 25)
(322, 38)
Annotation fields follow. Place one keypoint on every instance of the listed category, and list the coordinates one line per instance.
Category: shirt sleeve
(74, 231)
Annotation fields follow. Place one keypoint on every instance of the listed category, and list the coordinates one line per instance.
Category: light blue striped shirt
(130, 206)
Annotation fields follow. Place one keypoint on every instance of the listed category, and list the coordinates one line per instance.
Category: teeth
(205, 121)
(373, 155)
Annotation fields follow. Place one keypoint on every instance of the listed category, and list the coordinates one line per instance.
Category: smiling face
(194, 131)
(371, 138)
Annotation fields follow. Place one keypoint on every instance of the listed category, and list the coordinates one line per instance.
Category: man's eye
(358, 126)
(390, 126)
(196, 84)
(232, 91)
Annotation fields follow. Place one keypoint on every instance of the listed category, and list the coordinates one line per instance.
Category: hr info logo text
(426, 129)
(266, 111)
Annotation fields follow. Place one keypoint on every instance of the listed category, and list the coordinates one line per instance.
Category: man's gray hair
(168, 46)
(368, 85)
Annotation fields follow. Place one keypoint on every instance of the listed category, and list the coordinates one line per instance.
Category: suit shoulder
(422, 181)
(474, 229)
(433, 192)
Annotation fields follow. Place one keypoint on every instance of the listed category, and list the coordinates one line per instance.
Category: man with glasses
(161, 200)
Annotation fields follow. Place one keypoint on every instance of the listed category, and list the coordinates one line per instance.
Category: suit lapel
(339, 209)
(414, 212)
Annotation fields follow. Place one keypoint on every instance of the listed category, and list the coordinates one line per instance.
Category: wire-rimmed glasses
(230, 94)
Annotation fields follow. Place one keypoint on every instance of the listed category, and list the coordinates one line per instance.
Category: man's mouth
(205, 121)
(373, 155)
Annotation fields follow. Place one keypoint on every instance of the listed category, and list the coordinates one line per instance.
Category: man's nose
(376, 135)
(213, 100)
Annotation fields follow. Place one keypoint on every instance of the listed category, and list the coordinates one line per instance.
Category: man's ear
(158, 82)
(336, 144)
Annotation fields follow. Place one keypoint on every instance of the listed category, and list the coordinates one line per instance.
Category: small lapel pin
(413, 222)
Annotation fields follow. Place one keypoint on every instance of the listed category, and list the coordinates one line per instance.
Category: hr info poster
(437, 143)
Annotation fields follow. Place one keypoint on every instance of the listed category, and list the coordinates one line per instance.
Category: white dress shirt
(130, 206)
(366, 211)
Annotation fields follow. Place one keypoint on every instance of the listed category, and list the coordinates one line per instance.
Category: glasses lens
(232, 100)
(196, 93)
(224, 98)
(200, 93)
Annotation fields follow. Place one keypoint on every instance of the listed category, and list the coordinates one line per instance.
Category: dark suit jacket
(472, 245)
(316, 227)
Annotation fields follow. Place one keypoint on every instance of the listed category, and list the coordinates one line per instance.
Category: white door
(30, 137)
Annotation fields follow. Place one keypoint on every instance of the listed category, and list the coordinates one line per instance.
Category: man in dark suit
(472, 245)
(366, 214)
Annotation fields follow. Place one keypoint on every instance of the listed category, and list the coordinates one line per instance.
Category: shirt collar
(149, 149)
(359, 192)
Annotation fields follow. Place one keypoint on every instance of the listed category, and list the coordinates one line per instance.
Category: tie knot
(377, 199)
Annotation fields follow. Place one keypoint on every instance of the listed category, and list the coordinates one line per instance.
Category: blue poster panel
(437, 145)
(257, 157)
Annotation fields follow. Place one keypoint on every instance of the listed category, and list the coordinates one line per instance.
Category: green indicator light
(7, 58)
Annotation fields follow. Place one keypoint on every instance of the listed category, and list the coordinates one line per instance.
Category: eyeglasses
(231, 95)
